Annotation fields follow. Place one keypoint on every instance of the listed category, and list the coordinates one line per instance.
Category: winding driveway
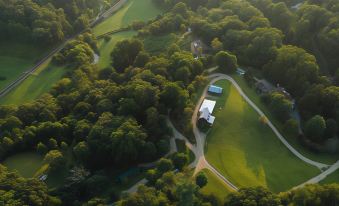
(200, 162)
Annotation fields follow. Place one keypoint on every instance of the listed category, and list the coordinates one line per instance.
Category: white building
(206, 110)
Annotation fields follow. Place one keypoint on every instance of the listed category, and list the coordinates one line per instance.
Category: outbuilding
(214, 89)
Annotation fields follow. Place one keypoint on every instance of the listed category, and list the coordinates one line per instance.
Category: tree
(315, 128)
(164, 165)
(81, 151)
(41, 148)
(180, 160)
(226, 62)
(253, 196)
(127, 142)
(173, 96)
(201, 179)
(125, 52)
(280, 106)
(216, 45)
(293, 68)
(331, 128)
(55, 159)
(291, 127)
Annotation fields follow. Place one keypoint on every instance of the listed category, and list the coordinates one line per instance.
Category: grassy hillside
(321, 157)
(16, 58)
(141, 10)
(215, 186)
(35, 85)
(248, 152)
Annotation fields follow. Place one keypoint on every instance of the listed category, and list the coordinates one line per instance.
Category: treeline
(45, 21)
(170, 188)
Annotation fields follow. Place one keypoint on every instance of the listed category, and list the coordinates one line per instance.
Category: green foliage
(315, 128)
(253, 196)
(180, 160)
(16, 191)
(226, 62)
(125, 52)
(201, 179)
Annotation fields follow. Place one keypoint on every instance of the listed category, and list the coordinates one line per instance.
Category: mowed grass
(332, 178)
(106, 47)
(15, 58)
(141, 10)
(316, 156)
(27, 163)
(35, 85)
(215, 186)
(247, 152)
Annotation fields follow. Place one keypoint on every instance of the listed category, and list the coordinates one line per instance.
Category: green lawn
(215, 186)
(27, 163)
(332, 178)
(15, 58)
(106, 47)
(247, 152)
(250, 92)
(36, 84)
(141, 10)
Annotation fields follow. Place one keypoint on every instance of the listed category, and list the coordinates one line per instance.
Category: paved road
(31, 70)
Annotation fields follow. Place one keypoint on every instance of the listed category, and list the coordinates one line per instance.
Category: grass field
(332, 178)
(141, 10)
(250, 92)
(15, 58)
(27, 163)
(215, 186)
(247, 152)
(106, 47)
(35, 85)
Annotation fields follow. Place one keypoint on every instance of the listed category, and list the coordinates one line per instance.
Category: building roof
(215, 89)
(209, 104)
(205, 114)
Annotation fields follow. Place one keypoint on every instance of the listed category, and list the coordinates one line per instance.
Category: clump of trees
(16, 190)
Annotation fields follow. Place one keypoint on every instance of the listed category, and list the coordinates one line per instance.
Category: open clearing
(35, 85)
(27, 163)
(15, 58)
(320, 157)
(246, 151)
(141, 10)
(215, 186)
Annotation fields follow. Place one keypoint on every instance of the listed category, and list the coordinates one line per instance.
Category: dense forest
(117, 116)
(45, 21)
